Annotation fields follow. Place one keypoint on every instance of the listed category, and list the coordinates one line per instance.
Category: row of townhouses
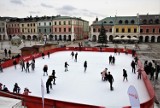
(52, 27)
(146, 28)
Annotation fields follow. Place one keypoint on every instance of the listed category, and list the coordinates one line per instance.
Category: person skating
(85, 66)
(43, 55)
(1, 68)
(27, 66)
(72, 54)
(54, 77)
(5, 52)
(16, 88)
(48, 53)
(22, 64)
(113, 60)
(139, 73)
(45, 69)
(66, 66)
(125, 75)
(110, 59)
(32, 65)
(133, 65)
(49, 84)
(14, 63)
(110, 79)
(76, 55)
(9, 52)
(104, 74)
(26, 91)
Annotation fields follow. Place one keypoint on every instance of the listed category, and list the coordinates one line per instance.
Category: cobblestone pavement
(147, 51)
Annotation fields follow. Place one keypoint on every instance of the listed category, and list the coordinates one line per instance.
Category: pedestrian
(72, 54)
(66, 66)
(5, 52)
(49, 84)
(113, 60)
(14, 63)
(32, 65)
(22, 64)
(5, 89)
(9, 52)
(133, 65)
(16, 88)
(1, 86)
(157, 71)
(125, 75)
(54, 77)
(85, 66)
(27, 66)
(104, 74)
(111, 80)
(76, 57)
(45, 69)
(48, 53)
(26, 91)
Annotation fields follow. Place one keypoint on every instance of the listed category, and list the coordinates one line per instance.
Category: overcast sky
(86, 9)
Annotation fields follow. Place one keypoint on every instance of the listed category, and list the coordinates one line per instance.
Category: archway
(69, 38)
(140, 38)
(146, 39)
(64, 38)
(158, 39)
(34, 37)
(110, 38)
(28, 37)
(23, 37)
(55, 37)
(50, 37)
(60, 37)
(153, 39)
(94, 38)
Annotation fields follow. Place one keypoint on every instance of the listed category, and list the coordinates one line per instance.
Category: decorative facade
(3, 30)
(146, 28)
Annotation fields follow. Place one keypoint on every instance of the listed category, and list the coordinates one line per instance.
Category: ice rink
(76, 85)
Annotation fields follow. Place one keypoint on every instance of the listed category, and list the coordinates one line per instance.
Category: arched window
(144, 21)
(120, 21)
(132, 21)
(150, 21)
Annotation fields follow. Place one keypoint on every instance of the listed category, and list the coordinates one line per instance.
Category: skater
(5, 89)
(45, 69)
(5, 52)
(133, 65)
(48, 83)
(22, 63)
(1, 86)
(72, 54)
(32, 65)
(16, 88)
(139, 73)
(14, 63)
(110, 79)
(76, 57)
(27, 66)
(85, 66)
(66, 66)
(42, 55)
(9, 52)
(125, 75)
(48, 53)
(1, 68)
(26, 91)
(113, 60)
(104, 74)
(54, 77)
(110, 59)
(115, 51)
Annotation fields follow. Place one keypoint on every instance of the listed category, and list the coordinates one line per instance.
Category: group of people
(16, 89)
(7, 53)
(111, 59)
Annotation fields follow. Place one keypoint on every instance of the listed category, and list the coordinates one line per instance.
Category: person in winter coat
(1, 86)
(27, 66)
(110, 79)
(133, 65)
(16, 88)
(45, 69)
(85, 66)
(33, 65)
(49, 84)
(48, 53)
(76, 55)
(110, 59)
(54, 77)
(14, 63)
(22, 64)
(1, 68)
(9, 52)
(125, 75)
(139, 73)
(42, 55)
(66, 66)
(104, 74)
(72, 54)
(26, 91)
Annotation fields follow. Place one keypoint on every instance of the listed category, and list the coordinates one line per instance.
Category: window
(120, 21)
(44, 30)
(39, 24)
(50, 23)
(141, 30)
(28, 25)
(64, 29)
(69, 29)
(110, 30)
(33, 24)
(129, 30)
(39, 30)
(132, 21)
(117, 30)
(123, 30)
(126, 21)
(69, 22)
(59, 29)
(44, 23)
(94, 30)
(55, 29)
(31, 30)
(153, 30)
(55, 23)
(64, 22)
(135, 30)
(34, 30)
(50, 30)
(147, 30)
(98, 29)
(22, 30)
(59, 22)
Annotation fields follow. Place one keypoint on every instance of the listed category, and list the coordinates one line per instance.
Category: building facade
(146, 28)
(3, 30)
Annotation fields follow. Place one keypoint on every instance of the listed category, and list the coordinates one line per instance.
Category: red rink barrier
(36, 102)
